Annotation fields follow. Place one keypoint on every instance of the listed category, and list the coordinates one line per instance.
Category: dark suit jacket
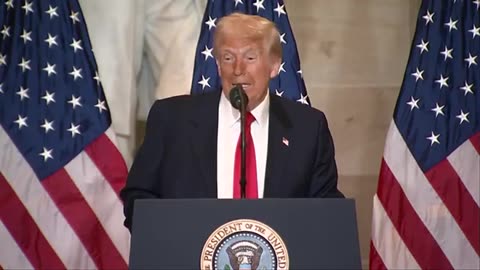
(178, 158)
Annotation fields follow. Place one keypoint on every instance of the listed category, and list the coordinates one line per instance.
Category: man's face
(246, 62)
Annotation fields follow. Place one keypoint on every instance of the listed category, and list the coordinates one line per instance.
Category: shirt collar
(232, 115)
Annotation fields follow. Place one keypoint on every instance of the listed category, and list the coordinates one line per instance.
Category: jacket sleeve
(324, 174)
(144, 176)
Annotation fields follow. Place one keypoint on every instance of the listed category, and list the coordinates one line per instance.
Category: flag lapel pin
(285, 141)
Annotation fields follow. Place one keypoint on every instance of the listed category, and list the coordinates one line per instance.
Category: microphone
(238, 98)
(239, 101)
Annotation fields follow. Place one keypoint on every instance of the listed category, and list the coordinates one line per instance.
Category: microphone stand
(243, 166)
(239, 101)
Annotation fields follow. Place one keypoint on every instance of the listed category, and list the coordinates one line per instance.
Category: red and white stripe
(12, 256)
(72, 219)
(426, 220)
(390, 239)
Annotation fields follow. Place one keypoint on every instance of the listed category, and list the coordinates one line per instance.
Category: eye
(227, 58)
(251, 57)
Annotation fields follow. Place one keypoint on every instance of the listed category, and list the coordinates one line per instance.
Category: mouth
(244, 85)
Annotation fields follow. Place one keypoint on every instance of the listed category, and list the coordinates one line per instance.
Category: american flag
(289, 82)
(426, 210)
(60, 172)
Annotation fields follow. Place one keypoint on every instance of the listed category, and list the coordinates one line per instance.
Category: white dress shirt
(228, 133)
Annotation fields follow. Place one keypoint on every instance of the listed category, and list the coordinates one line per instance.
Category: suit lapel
(204, 138)
(278, 147)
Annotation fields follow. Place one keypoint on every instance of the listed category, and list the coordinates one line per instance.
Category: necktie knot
(249, 118)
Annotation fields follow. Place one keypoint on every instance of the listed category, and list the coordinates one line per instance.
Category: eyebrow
(249, 50)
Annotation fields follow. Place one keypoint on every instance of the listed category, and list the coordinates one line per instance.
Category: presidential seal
(244, 244)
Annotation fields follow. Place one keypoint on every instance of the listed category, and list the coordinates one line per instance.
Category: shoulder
(183, 104)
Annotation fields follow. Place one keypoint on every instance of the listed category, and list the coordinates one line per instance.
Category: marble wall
(353, 55)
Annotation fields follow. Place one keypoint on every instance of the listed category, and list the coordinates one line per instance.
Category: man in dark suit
(191, 146)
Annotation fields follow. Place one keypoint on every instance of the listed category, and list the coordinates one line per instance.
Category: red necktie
(251, 191)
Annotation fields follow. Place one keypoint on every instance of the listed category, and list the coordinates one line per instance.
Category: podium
(244, 234)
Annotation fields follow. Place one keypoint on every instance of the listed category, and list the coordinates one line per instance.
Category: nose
(239, 68)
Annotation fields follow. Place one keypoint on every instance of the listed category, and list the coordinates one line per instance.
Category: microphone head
(238, 98)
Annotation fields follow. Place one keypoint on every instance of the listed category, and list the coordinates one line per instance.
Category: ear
(276, 62)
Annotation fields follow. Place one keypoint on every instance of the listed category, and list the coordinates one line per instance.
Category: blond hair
(250, 27)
